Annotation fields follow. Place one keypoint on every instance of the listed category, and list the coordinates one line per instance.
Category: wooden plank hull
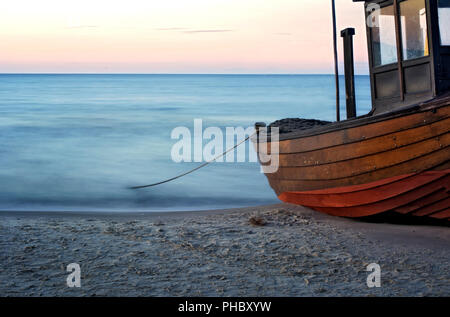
(422, 194)
(398, 164)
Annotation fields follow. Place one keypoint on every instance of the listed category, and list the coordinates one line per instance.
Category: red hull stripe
(423, 194)
(438, 195)
(445, 214)
(433, 208)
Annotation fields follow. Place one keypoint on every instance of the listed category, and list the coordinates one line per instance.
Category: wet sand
(296, 252)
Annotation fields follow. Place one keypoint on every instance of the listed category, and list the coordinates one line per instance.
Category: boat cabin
(409, 51)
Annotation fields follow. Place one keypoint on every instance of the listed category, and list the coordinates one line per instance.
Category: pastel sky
(175, 36)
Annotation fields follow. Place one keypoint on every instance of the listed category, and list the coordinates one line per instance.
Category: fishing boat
(395, 159)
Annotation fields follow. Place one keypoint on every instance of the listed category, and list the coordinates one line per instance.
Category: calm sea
(77, 142)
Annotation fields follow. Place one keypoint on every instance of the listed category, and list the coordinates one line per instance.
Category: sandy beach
(278, 250)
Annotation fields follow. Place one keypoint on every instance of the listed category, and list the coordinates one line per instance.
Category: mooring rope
(198, 167)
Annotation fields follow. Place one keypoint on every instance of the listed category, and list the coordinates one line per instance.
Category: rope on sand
(198, 167)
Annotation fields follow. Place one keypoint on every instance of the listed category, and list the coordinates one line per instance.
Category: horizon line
(221, 74)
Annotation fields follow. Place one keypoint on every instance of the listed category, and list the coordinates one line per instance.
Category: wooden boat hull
(421, 194)
(395, 163)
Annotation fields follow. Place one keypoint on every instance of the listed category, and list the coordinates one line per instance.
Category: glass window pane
(384, 45)
(413, 21)
(444, 21)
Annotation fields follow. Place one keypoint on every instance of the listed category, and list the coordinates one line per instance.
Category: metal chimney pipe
(347, 35)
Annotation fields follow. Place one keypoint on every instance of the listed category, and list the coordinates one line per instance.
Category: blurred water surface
(76, 142)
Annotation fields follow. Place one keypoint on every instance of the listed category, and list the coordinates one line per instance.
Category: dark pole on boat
(347, 35)
(336, 68)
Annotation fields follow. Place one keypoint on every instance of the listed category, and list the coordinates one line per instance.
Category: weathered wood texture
(393, 150)
(422, 194)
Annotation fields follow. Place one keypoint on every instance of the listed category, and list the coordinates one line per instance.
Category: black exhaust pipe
(347, 34)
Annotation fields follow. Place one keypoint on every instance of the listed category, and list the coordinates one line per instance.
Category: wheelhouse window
(444, 21)
(384, 47)
(414, 31)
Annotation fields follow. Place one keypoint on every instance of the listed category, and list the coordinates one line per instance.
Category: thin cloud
(207, 31)
(82, 27)
(283, 34)
(170, 29)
